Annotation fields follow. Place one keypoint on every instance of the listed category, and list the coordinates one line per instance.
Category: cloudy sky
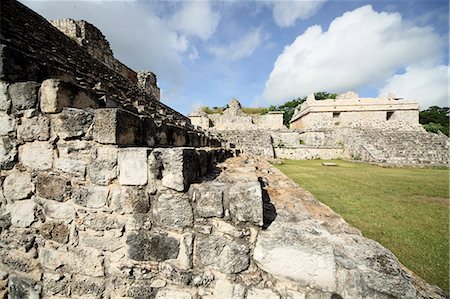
(268, 52)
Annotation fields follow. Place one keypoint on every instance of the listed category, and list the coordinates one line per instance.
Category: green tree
(435, 119)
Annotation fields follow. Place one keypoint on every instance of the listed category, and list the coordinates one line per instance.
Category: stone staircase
(251, 142)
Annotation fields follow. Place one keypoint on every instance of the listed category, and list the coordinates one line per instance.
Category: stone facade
(350, 110)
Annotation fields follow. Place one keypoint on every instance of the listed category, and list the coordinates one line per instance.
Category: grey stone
(8, 152)
(23, 213)
(56, 231)
(186, 249)
(53, 186)
(255, 293)
(7, 123)
(208, 199)
(22, 287)
(85, 286)
(5, 101)
(34, 128)
(62, 211)
(290, 251)
(130, 199)
(37, 155)
(19, 260)
(54, 95)
(56, 284)
(141, 290)
(103, 169)
(72, 167)
(147, 246)
(117, 126)
(72, 123)
(245, 201)
(179, 168)
(101, 222)
(107, 242)
(92, 197)
(133, 166)
(178, 276)
(222, 254)
(17, 186)
(172, 209)
(79, 261)
(168, 293)
(23, 95)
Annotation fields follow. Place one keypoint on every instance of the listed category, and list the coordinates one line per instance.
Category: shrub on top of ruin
(435, 119)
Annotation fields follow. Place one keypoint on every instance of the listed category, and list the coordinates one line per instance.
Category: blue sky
(268, 52)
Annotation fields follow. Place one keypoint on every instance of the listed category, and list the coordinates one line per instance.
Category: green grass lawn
(404, 209)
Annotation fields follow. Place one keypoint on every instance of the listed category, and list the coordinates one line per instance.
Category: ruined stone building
(105, 192)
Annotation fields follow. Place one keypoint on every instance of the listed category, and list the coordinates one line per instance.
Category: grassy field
(404, 209)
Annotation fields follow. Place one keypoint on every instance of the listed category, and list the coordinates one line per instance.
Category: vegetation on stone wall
(435, 119)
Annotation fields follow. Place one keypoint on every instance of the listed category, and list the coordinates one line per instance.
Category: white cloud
(241, 48)
(427, 85)
(196, 18)
(361, 47)
(287, 13)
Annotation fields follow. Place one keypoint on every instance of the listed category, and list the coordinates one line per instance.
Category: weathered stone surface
(172, 209)
(129, 199)
(62, 211)
(56, 284)
(22, 213)
(186, 249)
(297, 295)
(255, 293)
(107, 242)
(19, 260)
(5, 101)
(103, 168)
(81, 261)
(72, 123)
(72, 167)
(53, 186)
(37, 155)
(23, 95)
(207, 199)
(56, 231)
(101, 221)
(141, 290)
(92, 197)
(179, 168)
(132, 166)
(22, 287)
(173, 293)
(117, 126)
(226, 228)
(222, 254)
(224, 288)
(246, 203)
(147, 246)
(54, 96)
(8, 152)
(7, 123)
(17, 186)
(289, 251)
(34, 128)
(87, 287)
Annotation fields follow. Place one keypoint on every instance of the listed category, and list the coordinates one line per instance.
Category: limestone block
(224, 288)
(87, 287)
(222, 254)
(117, 126)
(103, 169)
(149, 246)
(72, 167)
(7, 123)
(8, 152)
(173, 293)
(53, 186)
(56, 284)
(22, 213)
(23, 95)
(72, 123)
(296, 295)
(34, 128)
(291, 251)
(226, 228)
(108, 242)
(246, 204)
(81, 261)
(149, 131)
(5, 101)
(54, 95)
(130, 200)
(255, 293)
(61, 211)
(91, 197)
(101, 222)
(172, 209)
(141, 290)
(180, 167)
(23, 287)
(56, 231)
(17, 186)
(186, 248)
(37, 155)
(207, 199)
(132, 166)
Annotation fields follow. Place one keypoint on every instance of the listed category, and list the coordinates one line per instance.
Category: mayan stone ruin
(108, 193)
